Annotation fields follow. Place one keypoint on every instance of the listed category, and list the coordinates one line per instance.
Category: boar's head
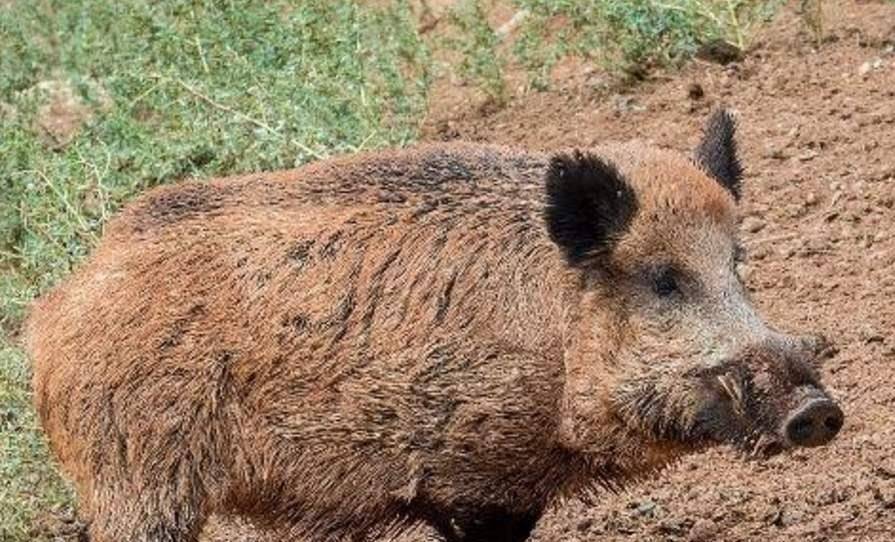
(664, 351)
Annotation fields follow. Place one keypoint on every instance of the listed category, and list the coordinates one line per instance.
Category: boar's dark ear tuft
(589, 203)
(717, 152)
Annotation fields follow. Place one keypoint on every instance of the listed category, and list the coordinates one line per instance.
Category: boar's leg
(493, 525)
(144, 517)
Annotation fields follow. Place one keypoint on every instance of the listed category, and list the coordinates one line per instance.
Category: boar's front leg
(485, 419)
(493, 525)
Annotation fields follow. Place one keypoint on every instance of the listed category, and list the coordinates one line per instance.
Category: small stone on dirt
(773, 151)
(870, 66)
(808, 155)
(674, 526)
(585, 524)
(784, 517)
(760, 253)
(695, 91)
(447, 130)
(646, 508)
(719, 51)
(625, 104)
(703, 530)
(885, 496)
(753, 224)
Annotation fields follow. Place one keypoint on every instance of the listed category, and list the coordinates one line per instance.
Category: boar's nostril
(834, 423)
(799, 430)
(814, 423)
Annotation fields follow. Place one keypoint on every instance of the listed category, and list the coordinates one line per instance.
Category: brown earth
(818, 140)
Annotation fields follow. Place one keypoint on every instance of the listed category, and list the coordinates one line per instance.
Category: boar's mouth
(764, 420)
(742, 421)
(765, 399)
(700, 410)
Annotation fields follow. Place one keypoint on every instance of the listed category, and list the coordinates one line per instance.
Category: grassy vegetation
(191, 90)
(30, 483)
(631, 37)
(100, 100)
(627, 37)
(167, 90)
(813, 17)
(477, 42)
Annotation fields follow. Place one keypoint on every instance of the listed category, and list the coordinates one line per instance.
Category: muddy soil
(818, 140)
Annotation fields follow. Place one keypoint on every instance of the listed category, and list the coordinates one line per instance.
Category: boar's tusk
(732, 388)
(765, 446)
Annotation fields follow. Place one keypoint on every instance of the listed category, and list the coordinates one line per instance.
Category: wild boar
(453, 334)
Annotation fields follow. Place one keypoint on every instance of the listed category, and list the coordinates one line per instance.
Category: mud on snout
(765, 399)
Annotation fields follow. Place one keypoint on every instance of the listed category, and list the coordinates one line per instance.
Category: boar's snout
(817, 419)
(813, 423)
(775, 398)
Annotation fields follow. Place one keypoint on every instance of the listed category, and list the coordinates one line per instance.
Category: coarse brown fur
(356, 345)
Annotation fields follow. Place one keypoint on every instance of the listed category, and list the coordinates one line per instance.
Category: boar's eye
(665, 281)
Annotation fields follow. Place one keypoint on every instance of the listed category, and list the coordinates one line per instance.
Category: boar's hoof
(814, 423)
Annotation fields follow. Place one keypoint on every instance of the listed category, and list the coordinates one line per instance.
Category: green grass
(30, 483)
(194, 91)
(176, 88)
(628, 37)
(477, 42)
(631, 37)
(179, 88)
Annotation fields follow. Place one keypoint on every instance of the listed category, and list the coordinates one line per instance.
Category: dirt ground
(818, 140)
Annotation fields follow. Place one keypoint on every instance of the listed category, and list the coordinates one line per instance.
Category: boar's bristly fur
(456, 334)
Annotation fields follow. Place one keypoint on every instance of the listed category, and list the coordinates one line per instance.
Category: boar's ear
(717, 152)
(589, 203)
